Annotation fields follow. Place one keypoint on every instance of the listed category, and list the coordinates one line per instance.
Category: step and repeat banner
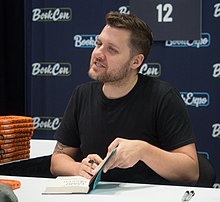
(60, 36)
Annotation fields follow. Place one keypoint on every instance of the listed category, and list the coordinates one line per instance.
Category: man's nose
(100, 53)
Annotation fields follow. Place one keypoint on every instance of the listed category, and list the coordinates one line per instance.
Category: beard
(116, 76)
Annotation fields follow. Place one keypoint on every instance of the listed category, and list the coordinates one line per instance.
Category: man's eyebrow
(114, 45)
(109, 43)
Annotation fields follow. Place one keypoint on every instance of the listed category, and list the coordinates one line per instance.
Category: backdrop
(60, 36)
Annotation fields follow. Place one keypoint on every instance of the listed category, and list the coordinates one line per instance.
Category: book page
(67, 184)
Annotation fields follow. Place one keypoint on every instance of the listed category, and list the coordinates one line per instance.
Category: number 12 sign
(170, 19)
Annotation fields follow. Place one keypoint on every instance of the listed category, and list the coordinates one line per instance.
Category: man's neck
(119, 89)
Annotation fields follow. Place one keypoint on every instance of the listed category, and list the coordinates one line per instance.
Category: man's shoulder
(155, 83)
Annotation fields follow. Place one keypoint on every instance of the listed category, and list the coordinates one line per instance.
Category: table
(32, 188)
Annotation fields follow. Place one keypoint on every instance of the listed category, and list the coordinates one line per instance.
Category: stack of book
(15, 136)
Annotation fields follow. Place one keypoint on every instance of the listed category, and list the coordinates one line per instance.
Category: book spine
(14, 140)
(13, 149)
(17, 130)
(15, 158)
(14, 144)
(18, 125)
(16, 135)
(14, 154)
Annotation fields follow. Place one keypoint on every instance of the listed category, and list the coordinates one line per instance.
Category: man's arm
(179, 165)
(63, 163)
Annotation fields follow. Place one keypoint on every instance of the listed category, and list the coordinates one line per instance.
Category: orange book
(14, 149)
(17, 130)
(13, 154)
(14, 144)
(15, 158)
(15, 119)
(17, 125)
(12, 184)
(16, 135)
(14, 140)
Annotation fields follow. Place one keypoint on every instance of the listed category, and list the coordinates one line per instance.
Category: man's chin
(93, 75)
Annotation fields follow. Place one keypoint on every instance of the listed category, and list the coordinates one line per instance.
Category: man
(145, 117)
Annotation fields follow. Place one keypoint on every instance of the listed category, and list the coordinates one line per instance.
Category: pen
(92, 161)
(188, 195)
(185, 195)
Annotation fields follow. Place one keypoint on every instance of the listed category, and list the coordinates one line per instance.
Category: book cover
(15, 119)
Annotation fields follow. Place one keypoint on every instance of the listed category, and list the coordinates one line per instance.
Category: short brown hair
(141, 35)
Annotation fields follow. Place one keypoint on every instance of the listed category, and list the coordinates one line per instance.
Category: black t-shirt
(153, 111)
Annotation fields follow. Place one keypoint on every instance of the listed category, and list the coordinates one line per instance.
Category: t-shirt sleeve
(174, 125)
(68, 133)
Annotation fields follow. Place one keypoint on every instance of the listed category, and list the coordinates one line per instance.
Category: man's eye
(113, 50)
(98, 43)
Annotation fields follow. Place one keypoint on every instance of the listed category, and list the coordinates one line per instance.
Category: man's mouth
(99, 64)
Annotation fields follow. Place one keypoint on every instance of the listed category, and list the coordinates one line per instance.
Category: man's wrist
(144, 146)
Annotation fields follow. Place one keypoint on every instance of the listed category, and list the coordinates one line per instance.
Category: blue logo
(46, 123)
(124, 9)
(196, 99)
(151, 69)
(217, 10)
(85, 40)
(203, 42)
(51, 14)
(51, 69)
(216, 130)
(216, 71)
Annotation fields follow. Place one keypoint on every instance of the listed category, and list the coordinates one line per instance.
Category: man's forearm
(62, 164)
(180, 165)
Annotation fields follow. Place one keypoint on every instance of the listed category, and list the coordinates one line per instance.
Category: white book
(77, 184)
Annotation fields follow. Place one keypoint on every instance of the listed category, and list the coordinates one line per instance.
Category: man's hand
(88, 164)
(127, 154)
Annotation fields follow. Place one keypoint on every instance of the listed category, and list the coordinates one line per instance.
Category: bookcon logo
(217, 10)
(216, 130)
(196, 99)
(151, 69)
(216, 70)
(203, 42)
(51, 69)
(51, 14)
(85, 40)
(46, 123)
(124, 9)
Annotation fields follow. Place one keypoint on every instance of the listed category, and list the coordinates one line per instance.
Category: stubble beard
(117, 77)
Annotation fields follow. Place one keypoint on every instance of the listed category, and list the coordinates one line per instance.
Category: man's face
(110, 60)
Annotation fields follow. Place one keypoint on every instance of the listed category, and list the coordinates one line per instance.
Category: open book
(77, 184)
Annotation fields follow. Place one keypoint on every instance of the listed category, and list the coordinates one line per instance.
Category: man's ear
(137, 61)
